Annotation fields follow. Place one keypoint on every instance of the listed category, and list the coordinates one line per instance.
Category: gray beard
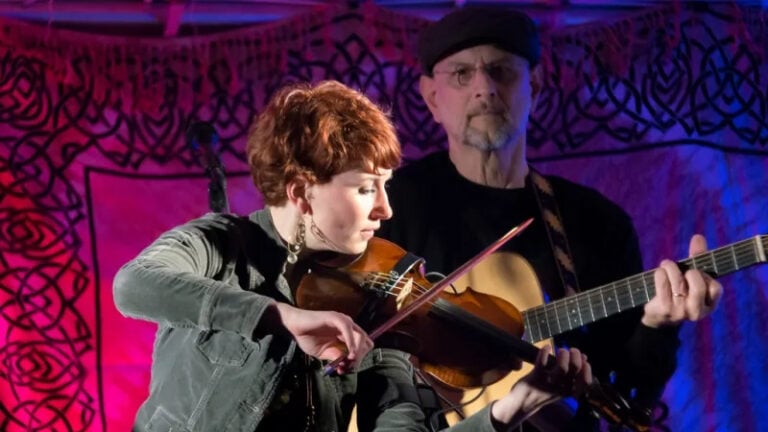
(494, 139)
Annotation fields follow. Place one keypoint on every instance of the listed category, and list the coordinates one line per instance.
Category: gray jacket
(206, 284)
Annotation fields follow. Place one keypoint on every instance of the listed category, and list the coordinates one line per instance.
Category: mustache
(486, 108)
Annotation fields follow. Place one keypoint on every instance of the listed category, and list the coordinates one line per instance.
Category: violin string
(382, 281)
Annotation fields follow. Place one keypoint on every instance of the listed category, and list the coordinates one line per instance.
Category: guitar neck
(559, 316)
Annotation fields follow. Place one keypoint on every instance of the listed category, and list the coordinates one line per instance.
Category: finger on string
(696, 296)
(663, 287)
(675, 276)
(714, 292)
(697, 245)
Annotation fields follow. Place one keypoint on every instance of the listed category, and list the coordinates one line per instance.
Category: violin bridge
(404, 293)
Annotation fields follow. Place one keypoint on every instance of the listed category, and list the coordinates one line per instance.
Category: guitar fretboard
(559, 316)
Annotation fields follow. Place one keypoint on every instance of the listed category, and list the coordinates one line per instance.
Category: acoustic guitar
(511, 277)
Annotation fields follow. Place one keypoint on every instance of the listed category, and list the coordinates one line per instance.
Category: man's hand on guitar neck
(567, 374)
(679, 297)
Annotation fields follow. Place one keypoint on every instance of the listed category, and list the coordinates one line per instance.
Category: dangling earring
(295, 248)
(317, 232)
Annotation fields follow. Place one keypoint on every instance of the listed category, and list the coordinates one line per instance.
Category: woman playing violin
(233, 352)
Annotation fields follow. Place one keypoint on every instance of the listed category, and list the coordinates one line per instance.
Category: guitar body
(508, 276)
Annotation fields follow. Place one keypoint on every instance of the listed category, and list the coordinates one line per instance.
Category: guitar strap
(636, 417)
(558, 241)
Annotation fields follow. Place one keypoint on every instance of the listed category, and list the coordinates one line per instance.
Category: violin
(463, 339)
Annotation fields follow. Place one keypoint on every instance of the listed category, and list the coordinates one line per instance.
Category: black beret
(471, 26)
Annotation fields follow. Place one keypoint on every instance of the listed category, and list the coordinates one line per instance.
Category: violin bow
(437, 288)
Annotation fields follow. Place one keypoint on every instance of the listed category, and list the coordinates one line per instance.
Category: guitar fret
(564, 314)
(557, 317)
(527, 327)
(637, 292)
(615, 300)
(549, 328)
(702, 264)
(717, 263)
(602, 299)
(620, 300)
(728, 266)
(557, 320)
(735, 258)
(707, 264)
(567, 309)
(734, 265)
(629, 291)
(645, 285)
(626, 295)
(575, 313)
(760, 248)
(539, 318)
(588, 299)
(570, 322)
(548, 312)
(755, 248)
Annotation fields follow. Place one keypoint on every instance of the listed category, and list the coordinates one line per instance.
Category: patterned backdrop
(663, 111)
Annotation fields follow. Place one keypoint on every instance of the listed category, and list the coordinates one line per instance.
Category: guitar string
(628, 283)
(741, 254)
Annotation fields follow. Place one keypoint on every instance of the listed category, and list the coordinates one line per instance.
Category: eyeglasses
(462, 75)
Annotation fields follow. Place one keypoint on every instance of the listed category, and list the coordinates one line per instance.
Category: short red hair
(317, 132)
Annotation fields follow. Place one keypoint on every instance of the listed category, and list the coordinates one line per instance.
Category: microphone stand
(203, 140)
